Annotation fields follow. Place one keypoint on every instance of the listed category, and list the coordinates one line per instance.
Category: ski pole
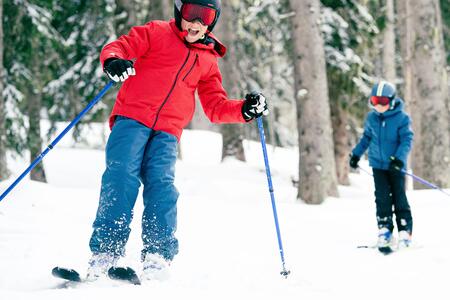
(365, 171)
(423, 181)
(57, 139)
(283, 272)
(417, 178)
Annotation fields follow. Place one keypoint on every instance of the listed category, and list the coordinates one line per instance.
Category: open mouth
(193, 31)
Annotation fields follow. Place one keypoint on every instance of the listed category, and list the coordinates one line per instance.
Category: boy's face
(196, 30)
(381, 108)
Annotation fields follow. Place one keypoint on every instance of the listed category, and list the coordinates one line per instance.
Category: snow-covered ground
(228, 243)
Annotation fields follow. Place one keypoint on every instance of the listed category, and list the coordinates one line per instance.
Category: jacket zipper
(192, 67)
(171, 89)
(379, 136)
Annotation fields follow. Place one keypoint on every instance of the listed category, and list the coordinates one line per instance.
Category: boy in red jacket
(162, 64)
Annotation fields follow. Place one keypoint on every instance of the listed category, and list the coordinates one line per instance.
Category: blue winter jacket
(386, 134)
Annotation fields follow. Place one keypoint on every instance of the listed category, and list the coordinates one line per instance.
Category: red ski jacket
(168, 72)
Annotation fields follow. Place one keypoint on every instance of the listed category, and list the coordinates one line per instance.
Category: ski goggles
(191, 12)
(379, 100)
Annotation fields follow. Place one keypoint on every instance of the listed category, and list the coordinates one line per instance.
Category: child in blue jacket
(388, 136)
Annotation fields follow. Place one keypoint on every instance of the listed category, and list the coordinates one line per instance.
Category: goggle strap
(178, 4)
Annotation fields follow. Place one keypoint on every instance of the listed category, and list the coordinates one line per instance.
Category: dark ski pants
(135, 154)
(390, 193)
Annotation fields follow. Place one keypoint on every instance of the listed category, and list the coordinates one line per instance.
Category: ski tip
(363, 247)
(67, 274)
(385, 250)
(125, 274)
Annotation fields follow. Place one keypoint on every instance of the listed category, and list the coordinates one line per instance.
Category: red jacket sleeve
(216, 105)
(133, 45)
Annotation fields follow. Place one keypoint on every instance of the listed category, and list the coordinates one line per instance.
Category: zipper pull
(383, 123)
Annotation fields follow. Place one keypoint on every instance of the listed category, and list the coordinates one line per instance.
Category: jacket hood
(210, 42)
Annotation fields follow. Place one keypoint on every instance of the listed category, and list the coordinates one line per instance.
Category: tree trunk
(389, 68)
(3, 166)
(160, 10)
(340, 121)
(340, 97)
(130, 7)
(34, 139)
(200, 121)
(232, 134)
(34, 105)
(430, 80)
(405, 36)
(271, 94)
(317, 170)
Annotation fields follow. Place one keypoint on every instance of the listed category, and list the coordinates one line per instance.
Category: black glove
(354, 160)
(255, 106)
(119, 69)
(396, 164)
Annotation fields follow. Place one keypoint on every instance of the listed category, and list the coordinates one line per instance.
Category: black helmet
(215, 4)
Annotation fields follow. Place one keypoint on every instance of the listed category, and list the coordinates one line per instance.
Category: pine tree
(3, 165)
(263, 50)
(317, 173)
(86, 27)
(348, 29)
(232, 134)
(30, 41)
(445, 9)
(431, 155)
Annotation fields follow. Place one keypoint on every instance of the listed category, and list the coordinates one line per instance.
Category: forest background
(315, 61)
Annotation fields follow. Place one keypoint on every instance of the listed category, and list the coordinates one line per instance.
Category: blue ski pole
(283, 272)
(57, 139)
(423, 181)
(365, 171)
(417, 178)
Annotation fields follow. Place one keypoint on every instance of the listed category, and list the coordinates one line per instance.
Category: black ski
(125, 274)
(386, 250)
(66, 274)
(391, 249)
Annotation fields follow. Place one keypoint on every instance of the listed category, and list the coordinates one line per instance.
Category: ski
(66, 274)
(391, 249)
(124, 274)
(386, 250)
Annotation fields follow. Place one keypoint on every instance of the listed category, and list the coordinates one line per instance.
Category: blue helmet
(383, 89)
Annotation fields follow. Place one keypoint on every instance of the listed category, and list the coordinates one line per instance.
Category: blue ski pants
(135, 154)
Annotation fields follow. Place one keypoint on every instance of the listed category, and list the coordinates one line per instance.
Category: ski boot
(384, 242)
(99, 264)
(404, 239)
(155, 267)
